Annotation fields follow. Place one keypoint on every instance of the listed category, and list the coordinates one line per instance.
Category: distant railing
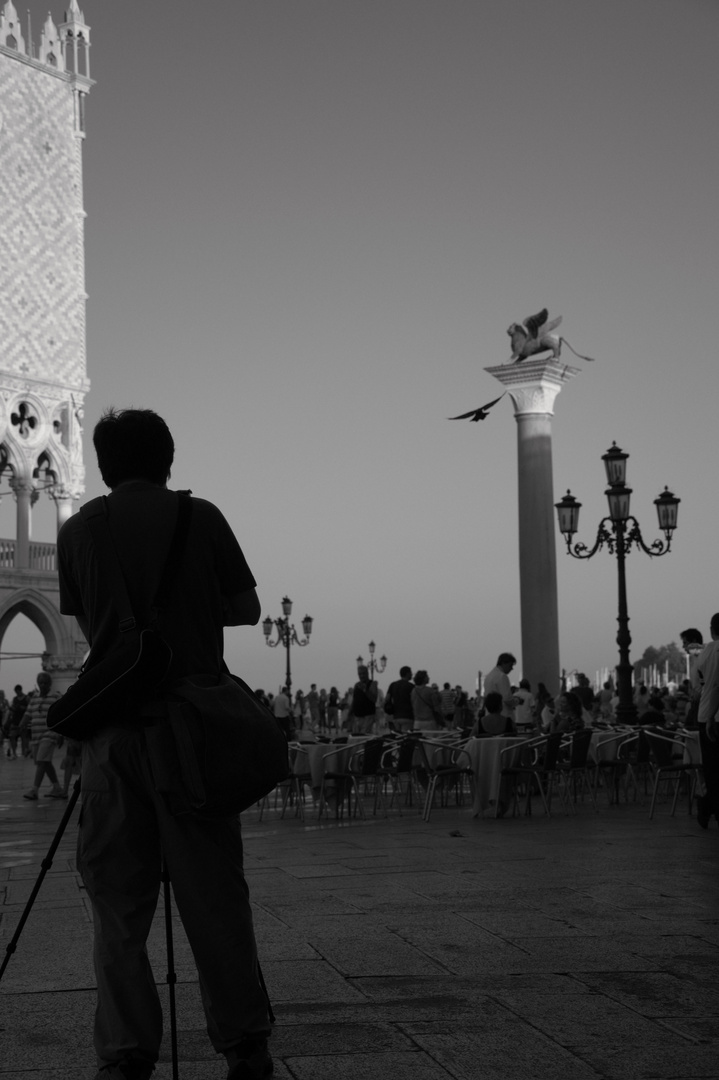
(42, 556)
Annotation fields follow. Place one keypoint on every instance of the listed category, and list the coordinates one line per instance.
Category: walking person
(127, 828)
(43, 742)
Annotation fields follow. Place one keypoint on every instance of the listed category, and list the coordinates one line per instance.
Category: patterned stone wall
(42, 296)
(42, 277)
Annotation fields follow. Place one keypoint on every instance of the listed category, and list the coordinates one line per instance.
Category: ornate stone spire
(50, 47)
(10, 32)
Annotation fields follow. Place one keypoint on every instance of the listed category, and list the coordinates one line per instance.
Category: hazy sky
(309, 226)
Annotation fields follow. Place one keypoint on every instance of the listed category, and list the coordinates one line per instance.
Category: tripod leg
(171, 974)
(45, 866)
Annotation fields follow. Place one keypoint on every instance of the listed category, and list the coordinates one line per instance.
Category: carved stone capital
(533, 384)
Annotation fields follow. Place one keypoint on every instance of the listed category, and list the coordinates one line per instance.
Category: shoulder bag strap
(94, 515)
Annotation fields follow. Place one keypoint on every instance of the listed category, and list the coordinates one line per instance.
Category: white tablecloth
(487, 763)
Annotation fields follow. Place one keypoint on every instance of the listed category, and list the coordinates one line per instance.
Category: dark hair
(421, 677)
(133, 444)
(573, 702)
(505, 658)
(692, 636)
(524, 684)
(405, 672)
(714, 624)
(493, 702)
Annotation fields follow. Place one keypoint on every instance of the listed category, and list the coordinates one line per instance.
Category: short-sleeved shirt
(497, 682)
(142, 518)
(401, 692)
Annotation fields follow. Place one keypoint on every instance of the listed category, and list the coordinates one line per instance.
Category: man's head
(714, 626)
(505, 662)
(44, 682)
(18, 689)
(133, 444)
(692, 636)
(363, 673)
(405, 672)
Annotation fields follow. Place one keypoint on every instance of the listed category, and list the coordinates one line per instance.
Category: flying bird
(534, 335)
(478, 414)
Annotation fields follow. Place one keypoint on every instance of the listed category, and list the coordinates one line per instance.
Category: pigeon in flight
(478, 414)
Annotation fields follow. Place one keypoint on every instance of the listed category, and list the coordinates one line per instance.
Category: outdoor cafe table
(487, 763)
(317, 757)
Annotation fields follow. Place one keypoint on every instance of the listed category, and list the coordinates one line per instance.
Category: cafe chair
(670, 767)
(369, 772)
(399, 763)
(574, 773)
(537, 768)
(339, 776)
(447, 768)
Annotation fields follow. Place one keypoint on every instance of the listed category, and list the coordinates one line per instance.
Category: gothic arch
(41, 611)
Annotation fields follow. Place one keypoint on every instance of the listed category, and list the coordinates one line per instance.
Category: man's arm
(242, 609)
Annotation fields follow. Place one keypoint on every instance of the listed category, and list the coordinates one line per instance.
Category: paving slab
(579, 947)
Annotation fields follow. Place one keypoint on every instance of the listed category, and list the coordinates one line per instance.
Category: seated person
(492, 723)
(568, 716)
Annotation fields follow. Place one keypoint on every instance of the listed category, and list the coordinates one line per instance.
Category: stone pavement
(576, 947)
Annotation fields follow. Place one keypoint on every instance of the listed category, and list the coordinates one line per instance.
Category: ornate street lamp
(286, 635)
(618, 532)
(374, 665)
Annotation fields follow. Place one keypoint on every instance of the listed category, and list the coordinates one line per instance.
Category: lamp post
(286, 635)
(374, 665)
(618, 532)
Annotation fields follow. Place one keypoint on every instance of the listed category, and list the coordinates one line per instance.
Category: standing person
(399, 696)
(312, 703)
(447, 702)
(126, 828)
(18, 705)
(364, 702)
(524, 716)
(323, 709)
(282, 710)
(333, 709)
(425, 704)
(497, 682)
(707, 666)
(693, 644)
(42, 741)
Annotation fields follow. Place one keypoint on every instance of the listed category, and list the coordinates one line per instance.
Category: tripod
(45, 865)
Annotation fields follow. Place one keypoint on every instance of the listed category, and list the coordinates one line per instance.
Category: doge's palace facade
(43, 381)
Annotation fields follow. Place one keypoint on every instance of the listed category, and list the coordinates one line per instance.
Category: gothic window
(11, 42)
(51, 59)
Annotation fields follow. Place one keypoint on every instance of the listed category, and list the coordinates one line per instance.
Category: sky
(309, 225)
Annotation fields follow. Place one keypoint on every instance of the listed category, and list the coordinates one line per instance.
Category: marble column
(533, 386)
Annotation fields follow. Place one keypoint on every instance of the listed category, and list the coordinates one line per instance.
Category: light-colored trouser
(125, 829)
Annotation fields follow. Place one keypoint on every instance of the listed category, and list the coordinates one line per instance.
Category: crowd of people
(414, 703)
